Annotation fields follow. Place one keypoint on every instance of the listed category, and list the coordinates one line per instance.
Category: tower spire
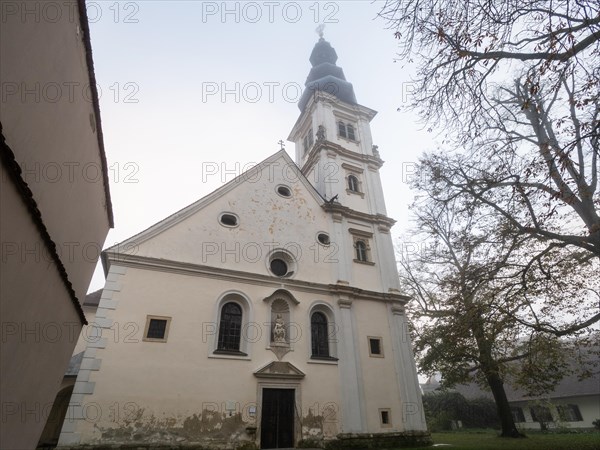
(325, 76)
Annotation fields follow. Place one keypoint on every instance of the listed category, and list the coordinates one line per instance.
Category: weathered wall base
(247, 446)
(146, 446)
(364, 441)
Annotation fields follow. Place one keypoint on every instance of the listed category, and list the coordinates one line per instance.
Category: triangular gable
(192, 209)
(280, 369)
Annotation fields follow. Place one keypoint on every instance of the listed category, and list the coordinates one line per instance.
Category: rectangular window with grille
(157, 328)
(375, 347)
(541, 414)
(569, 413)
(385, 418)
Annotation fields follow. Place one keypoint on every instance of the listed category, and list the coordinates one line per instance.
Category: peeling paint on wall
(209, 428)
(320, 427)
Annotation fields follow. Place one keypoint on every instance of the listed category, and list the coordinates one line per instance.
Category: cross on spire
(281, 144)
(320, 30)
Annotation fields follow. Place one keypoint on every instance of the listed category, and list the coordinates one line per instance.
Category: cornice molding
(382, 222)
(398, 310)
(184, 268)
(320, 96)
(325, 145)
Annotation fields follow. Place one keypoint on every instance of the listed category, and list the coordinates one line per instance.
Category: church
(267, 314)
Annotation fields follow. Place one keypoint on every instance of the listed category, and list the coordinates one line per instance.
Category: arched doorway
(49, 437)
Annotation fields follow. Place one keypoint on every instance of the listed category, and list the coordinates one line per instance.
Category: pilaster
(413, 416)
(97, 339)
(352, 394)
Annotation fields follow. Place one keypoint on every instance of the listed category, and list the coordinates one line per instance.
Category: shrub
(441, 408)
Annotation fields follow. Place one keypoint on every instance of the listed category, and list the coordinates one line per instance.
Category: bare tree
(515, 86)
(471, 317)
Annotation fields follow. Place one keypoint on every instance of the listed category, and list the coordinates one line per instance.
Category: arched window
(341, 129)
(361, 251)
(350, 131)
(318, 330)
(230, 327)
(353, 183)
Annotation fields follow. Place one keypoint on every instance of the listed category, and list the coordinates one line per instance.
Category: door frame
(280, 384)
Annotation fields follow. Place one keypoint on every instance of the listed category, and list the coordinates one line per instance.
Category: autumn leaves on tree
(510, 203)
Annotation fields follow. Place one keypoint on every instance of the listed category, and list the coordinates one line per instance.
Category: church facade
(268, 314)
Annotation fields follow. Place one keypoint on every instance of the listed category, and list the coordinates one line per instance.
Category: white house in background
(266, 314)
(574, 402)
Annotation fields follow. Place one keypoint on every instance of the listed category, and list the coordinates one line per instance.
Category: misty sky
(190, 85)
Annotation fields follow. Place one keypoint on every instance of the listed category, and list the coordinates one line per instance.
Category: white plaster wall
(173, 380)
(381, 389)
(589, 406)
(266, 221)
(49, 123)
(40, 327)
(365, 276)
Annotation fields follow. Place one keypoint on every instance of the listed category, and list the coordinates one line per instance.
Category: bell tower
(332, 137)
(334, 149)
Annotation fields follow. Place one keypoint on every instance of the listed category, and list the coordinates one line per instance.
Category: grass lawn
(489, 440)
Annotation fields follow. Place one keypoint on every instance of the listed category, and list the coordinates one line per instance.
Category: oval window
(284, 191)
(229, 220)
(323, 238)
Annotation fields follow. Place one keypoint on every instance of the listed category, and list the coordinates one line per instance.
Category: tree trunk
(489, 368)
(509, 428)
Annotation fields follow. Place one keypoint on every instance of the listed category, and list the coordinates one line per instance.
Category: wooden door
(277, 421)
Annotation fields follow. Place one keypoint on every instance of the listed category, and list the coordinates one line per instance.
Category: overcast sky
(191, 85)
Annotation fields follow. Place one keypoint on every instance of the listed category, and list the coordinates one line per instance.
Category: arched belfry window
(350, 132)
(353, 183)
(342, 129)
(230, 327)
(361, 250)
(346, 130)
(319, 335)
(361, 243)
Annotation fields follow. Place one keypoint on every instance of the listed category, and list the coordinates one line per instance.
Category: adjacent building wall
(54, 215)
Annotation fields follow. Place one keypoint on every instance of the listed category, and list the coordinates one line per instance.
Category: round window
(279, 267)
(284, 191)
(281, 263)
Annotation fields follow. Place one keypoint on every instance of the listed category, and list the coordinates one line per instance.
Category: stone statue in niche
(280, 321)
(279, 330)
(321, 133)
